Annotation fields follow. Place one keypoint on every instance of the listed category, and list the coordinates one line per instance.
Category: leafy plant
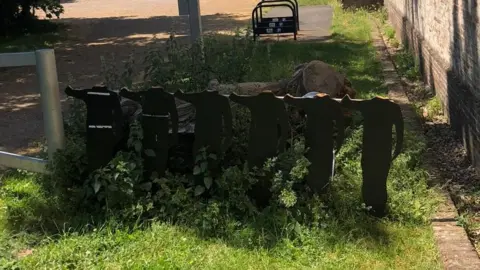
(114, 185)
(191, 67)
(201, 169)
(389, 33)
(19, 15)
(433, 108)
(407, 65)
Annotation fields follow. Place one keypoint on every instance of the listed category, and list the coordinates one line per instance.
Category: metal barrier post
(195, 20)
(183, 7)
(50, 100)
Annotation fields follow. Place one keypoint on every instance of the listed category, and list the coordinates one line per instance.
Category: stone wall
(444, 36)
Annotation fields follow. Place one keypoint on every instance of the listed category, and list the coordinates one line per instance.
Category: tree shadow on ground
(79, 62)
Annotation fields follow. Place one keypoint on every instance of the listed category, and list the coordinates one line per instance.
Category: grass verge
(345, 238)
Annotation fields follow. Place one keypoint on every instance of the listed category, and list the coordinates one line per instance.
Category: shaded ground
(100, 28)
(148, 8)
(462, 181)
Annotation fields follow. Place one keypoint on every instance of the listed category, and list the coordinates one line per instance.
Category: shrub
(191, 67)
(19, 15)
(433, 108)
(408, 65)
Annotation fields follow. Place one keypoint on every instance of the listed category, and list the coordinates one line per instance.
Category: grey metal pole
(50, 100)
(195, 19)
(183, 7)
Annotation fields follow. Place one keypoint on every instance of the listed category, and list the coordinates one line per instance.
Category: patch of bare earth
(24, 253)
(119, 28)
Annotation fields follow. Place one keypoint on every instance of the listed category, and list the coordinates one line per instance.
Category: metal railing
(44, 60)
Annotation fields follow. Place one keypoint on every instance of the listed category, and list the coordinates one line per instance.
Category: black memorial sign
(158, 111)
(380, 115)
(104, 123)
(213, 121)
(268, 115)
(322, 112)
(269, 130)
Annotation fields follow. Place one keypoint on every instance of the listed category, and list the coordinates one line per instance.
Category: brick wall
(444, 36)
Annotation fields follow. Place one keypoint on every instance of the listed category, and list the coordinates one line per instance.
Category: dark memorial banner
(269, 131)
(158, 111)
(104, 123)
(213, 121)
(380, 115)
(322, 114)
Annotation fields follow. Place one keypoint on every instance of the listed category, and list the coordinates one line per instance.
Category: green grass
(347, 238)
(166, 247)
(341, 244)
